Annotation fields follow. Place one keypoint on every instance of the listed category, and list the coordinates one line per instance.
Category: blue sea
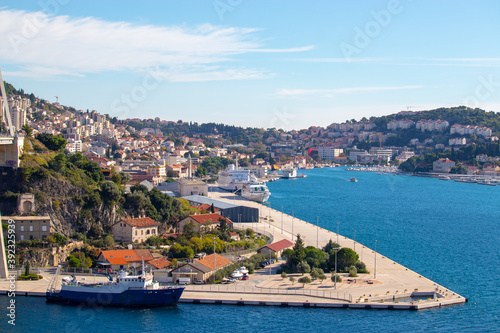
(444, 230)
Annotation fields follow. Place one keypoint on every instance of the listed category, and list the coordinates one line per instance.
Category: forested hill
(455, 115)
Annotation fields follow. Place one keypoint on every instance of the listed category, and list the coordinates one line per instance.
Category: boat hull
(131, 297)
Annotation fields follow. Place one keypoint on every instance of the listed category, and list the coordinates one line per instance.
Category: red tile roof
(160, 263)
(220, 261)
(209, 218)
(123, 257)
(141, 222)
(120, 257)
(206, 207)
(144, 254)
(280, 245)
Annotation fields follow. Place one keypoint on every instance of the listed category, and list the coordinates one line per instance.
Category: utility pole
(338, 232)
(354, 240)
(214, 261)
(317, 231)
(281, 219)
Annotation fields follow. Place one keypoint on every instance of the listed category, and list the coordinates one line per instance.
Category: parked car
(199, 282)
(245, 277)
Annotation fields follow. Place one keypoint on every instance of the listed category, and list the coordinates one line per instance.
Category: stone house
(135, 229)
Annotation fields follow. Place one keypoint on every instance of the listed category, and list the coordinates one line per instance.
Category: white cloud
(332, 92)
(412, 61)
(40, 45)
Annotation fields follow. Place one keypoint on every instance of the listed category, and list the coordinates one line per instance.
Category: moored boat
(256, 192)
(126, 290)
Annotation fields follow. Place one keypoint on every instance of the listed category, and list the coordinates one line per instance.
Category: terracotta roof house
(159, 263)
(123, 259)
(200, 269)
(276, 248)
(135, 229)
(208, 221)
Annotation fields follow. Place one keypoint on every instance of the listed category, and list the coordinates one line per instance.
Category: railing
(53, 283)
(327, 294)
(75, 270)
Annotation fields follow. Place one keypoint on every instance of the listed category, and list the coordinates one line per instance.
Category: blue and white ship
(126, 290)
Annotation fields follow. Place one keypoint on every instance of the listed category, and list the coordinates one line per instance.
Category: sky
(283, 64)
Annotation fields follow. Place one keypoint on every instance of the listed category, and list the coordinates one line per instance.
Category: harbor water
(444, 230)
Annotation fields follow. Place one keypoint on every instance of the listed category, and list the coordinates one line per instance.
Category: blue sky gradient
(285, 64)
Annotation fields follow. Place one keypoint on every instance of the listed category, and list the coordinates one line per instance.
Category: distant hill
(455, 115)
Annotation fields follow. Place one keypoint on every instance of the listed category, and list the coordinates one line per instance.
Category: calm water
(444, 230)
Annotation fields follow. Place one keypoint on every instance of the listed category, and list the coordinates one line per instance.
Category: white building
(442, 165)
(469, 130)
(329, 153)
(394, 124)
(101, 151)
(457, 141)
(432, 125)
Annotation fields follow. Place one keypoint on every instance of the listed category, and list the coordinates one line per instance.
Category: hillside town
(155, 149)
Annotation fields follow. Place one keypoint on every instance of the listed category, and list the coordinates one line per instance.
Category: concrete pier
(394, 287)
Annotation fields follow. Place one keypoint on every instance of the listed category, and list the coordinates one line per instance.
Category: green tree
(330, 246)
(201, 171)
(58, 163)
(29, 131)
(292, 279)
(52, 142)
(137, 202)
(73, 261)
(353, 272)
(304, 280)
(339, 278)
(223, 225)
(189, 230)
(346, 257)
(109, 241)
(315, 257)
(298, 252)
(303, 267)
(283, 275)
(110, 193)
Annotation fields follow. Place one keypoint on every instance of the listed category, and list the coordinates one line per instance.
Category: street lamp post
(214, 261)
(282, 219)
(269, 217)
(338, 223)
(336, 267)
(354, 240)
(317, 231)
(293, 215)
(375, 265)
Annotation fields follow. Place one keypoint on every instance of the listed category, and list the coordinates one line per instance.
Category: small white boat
(243, 270)
(237, 274)
(258, 192)
(354, 180)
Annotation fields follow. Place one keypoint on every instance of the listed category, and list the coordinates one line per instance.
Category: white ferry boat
(289, 173)
(233, 178)
(255, 192)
